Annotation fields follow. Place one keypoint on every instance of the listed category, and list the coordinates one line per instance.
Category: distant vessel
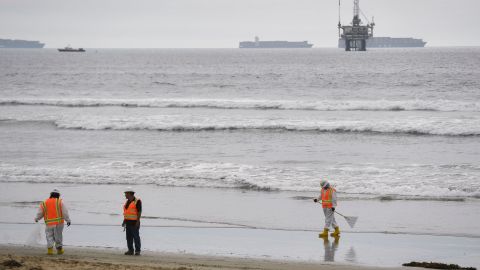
(389, 42)
(274, 44)
(70, 49)
(19, 43)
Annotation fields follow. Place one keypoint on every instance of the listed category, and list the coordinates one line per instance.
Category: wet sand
(256, 225)
(94, 258)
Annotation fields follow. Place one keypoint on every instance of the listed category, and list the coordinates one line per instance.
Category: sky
(223, 23)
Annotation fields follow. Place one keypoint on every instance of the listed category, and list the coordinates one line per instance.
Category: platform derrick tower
(355, 35)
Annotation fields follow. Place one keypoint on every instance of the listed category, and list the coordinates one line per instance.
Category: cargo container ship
(389, 42)
(274, 44)
(19, 43)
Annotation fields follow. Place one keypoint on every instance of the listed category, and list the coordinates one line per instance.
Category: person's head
(324, 184)
(129, 193)
(55, 193)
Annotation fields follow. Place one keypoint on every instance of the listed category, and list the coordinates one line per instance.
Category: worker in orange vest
(328, 197)
(132, 211)
(54, 212)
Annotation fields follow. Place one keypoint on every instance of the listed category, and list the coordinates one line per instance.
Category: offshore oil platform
(355, 35)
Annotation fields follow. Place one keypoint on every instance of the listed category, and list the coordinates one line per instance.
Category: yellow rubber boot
(336, 233)
(60, 251)
(324, 233)
(50, 251)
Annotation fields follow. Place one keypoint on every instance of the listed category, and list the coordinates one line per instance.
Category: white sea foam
(410, 125)
(415, 123)
(426, 181)
(316, 105)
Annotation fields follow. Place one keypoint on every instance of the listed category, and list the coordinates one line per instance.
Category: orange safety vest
(52, 211)
(327, 196)
(130, 213)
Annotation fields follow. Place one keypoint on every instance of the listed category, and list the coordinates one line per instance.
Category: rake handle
(334, 211)
(339, 214)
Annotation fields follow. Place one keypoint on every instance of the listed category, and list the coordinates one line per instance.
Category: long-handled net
(350, 220)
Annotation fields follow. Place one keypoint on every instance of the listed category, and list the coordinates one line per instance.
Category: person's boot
(324, 233)
(336, 233)
(137, 253)
(50, 251)
(60, 251)
(130, 252)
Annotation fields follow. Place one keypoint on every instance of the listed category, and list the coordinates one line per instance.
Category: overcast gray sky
(223, 23)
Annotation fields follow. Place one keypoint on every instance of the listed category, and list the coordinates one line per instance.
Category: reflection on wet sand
(330, 248)
(351, 256)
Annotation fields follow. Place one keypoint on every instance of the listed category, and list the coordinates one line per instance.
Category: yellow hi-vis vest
(327, 195)
(130, 213)
(52, 211)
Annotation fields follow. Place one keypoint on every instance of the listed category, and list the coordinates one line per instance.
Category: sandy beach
(289, 232)
(91, 258)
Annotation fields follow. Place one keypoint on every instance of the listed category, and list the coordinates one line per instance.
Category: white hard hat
(129, 189)
(55, 190)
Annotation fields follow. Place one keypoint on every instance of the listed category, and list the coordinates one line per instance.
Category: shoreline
(353, 249)
(112, 258)
(257, 225)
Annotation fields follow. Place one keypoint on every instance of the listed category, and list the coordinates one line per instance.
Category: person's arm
(319, 198)
(124, 222)
(65, 214)
(139, 212)
(334, 199)
(39, 213)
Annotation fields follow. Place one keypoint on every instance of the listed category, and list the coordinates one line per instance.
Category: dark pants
(133, 234)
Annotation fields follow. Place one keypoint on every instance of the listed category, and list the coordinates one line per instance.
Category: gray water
(399, 123)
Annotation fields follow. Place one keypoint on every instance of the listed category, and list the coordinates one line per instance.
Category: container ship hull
(389, 42)
(20, 44)
(273, 44)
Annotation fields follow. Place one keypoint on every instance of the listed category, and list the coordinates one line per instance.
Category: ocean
(383, 123)
(398, 126)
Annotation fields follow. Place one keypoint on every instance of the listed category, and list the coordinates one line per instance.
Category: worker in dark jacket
(132, 211)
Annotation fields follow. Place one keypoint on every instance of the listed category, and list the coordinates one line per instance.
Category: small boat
(70, 49)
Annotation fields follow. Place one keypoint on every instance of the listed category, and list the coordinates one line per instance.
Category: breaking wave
(416, 127)
(365, 181)
(444, 128)
(318, 105)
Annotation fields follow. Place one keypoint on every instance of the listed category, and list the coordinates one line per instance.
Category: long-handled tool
(350, 220)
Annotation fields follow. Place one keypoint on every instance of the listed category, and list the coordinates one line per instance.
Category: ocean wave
(409, 124)
(447, 128)
(365, 181)
(353, 197)
(419, 198)
(250, 104)
(424, 127)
